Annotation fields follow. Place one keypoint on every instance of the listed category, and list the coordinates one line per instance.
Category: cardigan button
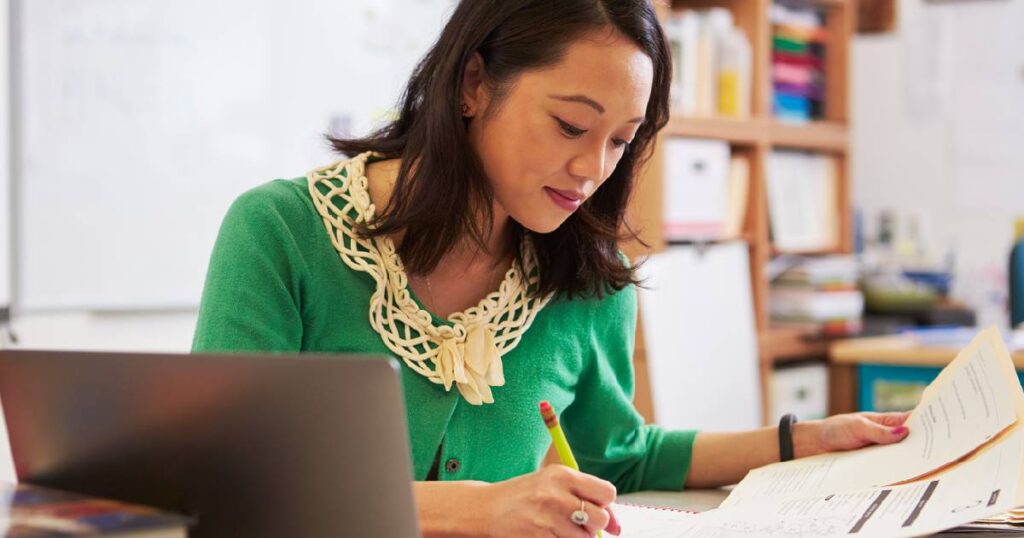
(452, 465)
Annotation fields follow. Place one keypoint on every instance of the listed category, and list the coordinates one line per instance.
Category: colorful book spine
(798, 59)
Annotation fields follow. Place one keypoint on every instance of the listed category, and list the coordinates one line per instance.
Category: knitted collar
(466, 352)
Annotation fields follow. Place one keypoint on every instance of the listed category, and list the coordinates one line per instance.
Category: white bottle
(686, 27)
(716, 23)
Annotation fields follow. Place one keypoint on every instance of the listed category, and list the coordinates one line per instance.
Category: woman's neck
(497, 245)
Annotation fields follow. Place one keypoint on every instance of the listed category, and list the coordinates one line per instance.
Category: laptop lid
(249, 445)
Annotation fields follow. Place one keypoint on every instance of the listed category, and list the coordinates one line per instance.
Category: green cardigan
(275, 283)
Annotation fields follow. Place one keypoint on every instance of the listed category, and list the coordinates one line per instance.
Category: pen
(559, 440)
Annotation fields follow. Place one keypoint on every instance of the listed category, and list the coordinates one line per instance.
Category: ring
(580, 516)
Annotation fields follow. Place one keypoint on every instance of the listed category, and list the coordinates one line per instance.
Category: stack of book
(33, 512)
(798, 59)
(819, 295)
(712, 64)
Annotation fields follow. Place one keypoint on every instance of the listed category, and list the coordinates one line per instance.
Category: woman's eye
(620, 143)
(569, 130)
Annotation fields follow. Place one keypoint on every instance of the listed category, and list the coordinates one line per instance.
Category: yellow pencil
(559, 440)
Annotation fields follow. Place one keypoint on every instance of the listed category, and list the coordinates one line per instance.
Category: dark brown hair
(446, 197)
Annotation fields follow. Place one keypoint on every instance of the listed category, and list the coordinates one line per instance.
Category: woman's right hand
(541, 503)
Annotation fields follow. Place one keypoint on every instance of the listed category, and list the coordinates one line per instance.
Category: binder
(696, 188)
(802, 206)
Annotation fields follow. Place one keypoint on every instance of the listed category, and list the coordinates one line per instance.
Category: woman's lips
(567, 200)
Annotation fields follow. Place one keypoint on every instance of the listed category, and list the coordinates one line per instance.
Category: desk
(846, 356)
(694, 500)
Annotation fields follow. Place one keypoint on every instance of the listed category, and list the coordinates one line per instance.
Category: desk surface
(900, 350)
(694, 500)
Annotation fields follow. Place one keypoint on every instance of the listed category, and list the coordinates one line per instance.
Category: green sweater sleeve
(251, 299)
(607, 435)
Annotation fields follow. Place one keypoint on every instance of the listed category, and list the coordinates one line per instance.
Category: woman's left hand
(848, 432)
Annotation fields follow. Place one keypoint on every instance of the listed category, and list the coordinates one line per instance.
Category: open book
(961, 462)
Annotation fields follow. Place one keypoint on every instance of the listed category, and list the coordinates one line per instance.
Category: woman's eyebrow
(589, 102)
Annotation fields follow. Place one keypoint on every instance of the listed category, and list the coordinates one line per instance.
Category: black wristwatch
(786, 436)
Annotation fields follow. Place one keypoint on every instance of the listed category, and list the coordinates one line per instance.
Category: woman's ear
(474, 88)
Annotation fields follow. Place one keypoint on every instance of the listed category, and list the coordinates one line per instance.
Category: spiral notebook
(639, 521)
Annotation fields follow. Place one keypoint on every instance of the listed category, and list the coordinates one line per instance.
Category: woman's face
(561, 130)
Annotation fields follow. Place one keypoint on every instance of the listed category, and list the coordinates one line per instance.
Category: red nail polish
(899, 430)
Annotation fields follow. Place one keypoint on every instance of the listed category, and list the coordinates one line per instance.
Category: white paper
(7, 470)
(648, 522)
(979, 488)
(698, 322)
(976, 397)
(969, 413)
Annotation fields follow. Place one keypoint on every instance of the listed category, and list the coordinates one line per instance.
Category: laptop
(246, 445)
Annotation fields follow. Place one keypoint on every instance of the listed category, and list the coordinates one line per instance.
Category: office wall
(938, 127)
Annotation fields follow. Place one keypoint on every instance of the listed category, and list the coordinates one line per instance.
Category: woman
(476, 238)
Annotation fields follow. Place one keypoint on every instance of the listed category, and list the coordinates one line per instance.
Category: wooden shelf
(818, 135)
(899, 350)
(832, 3)
(747, 237)
(836, 250)
(876, 16)
(741, 132)
(778, 345)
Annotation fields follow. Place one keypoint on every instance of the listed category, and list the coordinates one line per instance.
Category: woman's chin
(542, 225)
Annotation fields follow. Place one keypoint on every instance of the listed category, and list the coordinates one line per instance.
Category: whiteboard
(141, 120)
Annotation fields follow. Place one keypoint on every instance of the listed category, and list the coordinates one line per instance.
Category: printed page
(979, 488)
(974, 399)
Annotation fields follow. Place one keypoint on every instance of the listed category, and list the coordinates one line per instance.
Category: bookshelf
(755, 138)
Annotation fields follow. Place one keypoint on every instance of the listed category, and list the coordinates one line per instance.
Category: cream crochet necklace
(466, 353)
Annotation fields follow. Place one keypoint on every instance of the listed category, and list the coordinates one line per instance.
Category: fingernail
(613, 526)
(899, 430)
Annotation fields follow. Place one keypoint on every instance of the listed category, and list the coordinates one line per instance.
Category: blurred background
(834, 170)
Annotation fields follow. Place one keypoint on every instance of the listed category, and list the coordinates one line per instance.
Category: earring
(465, 109)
